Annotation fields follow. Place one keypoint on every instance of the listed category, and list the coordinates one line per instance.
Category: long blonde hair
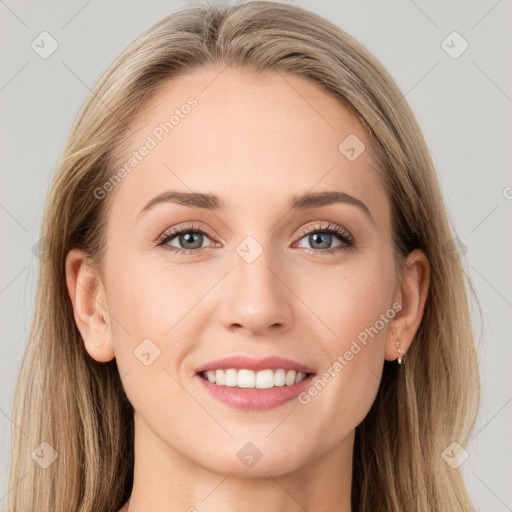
(78, 406)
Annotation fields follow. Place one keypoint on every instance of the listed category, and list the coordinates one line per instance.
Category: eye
(321, 238)
(189, 239)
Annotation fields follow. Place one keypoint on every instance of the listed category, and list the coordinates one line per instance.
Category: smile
(247, 379)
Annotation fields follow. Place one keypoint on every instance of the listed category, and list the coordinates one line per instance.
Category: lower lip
(253, 398)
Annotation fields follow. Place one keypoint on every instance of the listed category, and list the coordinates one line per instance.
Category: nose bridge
(253, 263)
(255, 297)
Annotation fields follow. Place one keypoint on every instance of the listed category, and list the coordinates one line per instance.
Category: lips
(254, 399)
(243, 362)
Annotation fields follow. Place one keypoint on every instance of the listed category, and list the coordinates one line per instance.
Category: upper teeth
(263, 379)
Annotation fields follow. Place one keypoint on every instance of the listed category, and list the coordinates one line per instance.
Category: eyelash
(344, 236)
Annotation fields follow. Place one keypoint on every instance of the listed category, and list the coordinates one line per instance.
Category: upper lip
(243, 362)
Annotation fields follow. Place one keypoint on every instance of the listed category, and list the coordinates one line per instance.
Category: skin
(254, 140)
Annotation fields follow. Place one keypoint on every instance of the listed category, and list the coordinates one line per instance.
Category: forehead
(244, 136)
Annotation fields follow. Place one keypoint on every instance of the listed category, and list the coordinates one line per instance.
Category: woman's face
(255, 275)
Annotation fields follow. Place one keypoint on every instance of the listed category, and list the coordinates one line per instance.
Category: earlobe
(89, 306)
(413, 295)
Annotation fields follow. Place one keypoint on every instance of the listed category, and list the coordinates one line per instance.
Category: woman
(251, 298)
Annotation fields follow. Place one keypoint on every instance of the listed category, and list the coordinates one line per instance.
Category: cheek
(142, 312)
(149, 328)
(157, 315)
(150, 301)
(351, 303)
(354, 303)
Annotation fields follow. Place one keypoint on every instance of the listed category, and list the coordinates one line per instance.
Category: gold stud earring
(401, 357)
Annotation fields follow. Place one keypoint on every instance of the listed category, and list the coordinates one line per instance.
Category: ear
(89, 305)
(412, 296)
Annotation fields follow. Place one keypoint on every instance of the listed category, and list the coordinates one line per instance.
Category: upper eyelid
(330, 226)
(184, 229)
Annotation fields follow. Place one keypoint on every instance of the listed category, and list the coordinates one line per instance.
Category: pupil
(316, 237)
(189, 238)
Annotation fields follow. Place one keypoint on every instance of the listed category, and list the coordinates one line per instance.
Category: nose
(255, 297)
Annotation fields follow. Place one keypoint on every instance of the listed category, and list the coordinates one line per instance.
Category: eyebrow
(298, 202)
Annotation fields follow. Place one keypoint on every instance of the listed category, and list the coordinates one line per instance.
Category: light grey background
(463, 106)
